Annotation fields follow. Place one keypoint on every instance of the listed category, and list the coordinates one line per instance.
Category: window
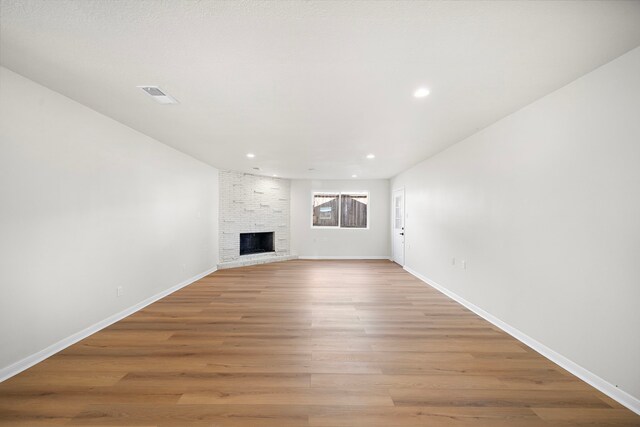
(325, 210)
(343, 210)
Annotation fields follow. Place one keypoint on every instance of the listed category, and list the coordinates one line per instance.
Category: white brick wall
(251, 204)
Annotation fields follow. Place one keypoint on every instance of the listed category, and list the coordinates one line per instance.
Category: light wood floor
(304, 343)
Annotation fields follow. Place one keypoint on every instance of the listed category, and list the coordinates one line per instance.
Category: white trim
(585, 375)
(29, 361)
(346, 257)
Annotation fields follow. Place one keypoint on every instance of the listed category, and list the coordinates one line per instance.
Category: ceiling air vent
(159, 95)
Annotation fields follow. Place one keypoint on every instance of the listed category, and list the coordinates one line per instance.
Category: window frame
(339, 194)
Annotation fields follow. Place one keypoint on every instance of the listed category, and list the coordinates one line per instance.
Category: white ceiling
(311, 84)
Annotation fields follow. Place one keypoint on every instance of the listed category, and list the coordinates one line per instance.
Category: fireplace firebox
(256, 243)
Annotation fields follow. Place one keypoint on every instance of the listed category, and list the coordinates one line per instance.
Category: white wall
(325, 243)
(544, 206)
(88, 204)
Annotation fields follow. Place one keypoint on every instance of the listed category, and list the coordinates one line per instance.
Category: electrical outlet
(119, 291)
(184, 266)
(464, 265)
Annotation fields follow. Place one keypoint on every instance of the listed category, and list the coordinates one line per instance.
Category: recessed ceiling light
(159, 95)
(371, 156)
(421, 92)
(250, 155)
(275, 176)
(354, 176)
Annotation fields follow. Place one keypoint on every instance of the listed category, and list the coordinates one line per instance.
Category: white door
(398, 226)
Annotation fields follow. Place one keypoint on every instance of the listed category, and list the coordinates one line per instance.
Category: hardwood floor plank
(293, 396)
(495, 397)
(195, 380)
(372, 381)
(420, 417)
(184, 415)
(588, 416)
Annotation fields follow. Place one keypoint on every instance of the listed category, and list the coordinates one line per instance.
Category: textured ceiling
(311, 84)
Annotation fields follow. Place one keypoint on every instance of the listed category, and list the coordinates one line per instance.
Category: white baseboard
(585, 375)
(346, 257)
(29, 361)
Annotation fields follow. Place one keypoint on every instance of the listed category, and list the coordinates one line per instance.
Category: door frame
(404, 224)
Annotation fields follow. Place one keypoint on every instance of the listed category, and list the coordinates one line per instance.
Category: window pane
(354, 210)
(325, 210)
